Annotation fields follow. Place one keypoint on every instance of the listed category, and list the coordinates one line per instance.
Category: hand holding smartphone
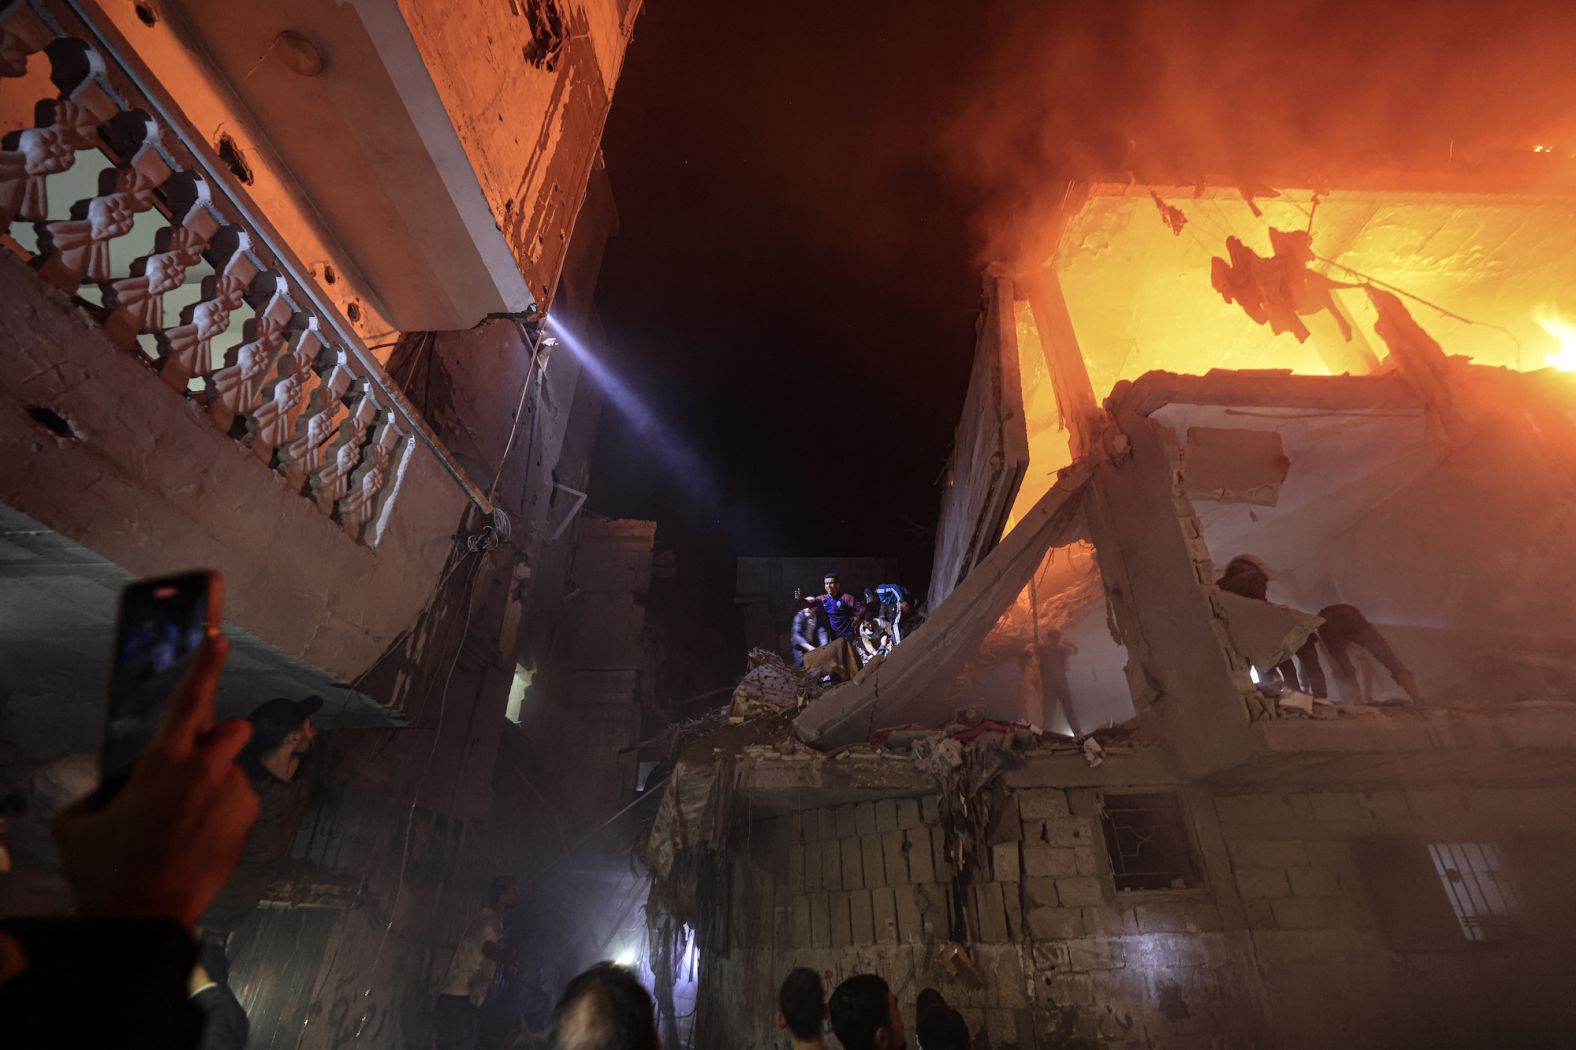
(162, 624)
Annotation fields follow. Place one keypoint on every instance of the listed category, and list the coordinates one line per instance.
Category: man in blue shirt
(842, 612)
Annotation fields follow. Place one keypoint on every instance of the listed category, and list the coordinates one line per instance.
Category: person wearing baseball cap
(282, 735)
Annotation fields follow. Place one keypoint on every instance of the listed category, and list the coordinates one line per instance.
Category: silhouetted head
(865, 1015)
(605, 1008)
(801, 1004)
(1245, 575)
(503, 893)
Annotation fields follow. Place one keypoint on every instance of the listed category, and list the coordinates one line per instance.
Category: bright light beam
(687, 467)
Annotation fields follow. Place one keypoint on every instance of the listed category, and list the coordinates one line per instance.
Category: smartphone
(162, 624)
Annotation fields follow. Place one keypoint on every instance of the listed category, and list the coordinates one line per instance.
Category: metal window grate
(1478, 888)
(1147, 839)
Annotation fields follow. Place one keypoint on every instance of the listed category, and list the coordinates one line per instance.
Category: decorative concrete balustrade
(213, 301)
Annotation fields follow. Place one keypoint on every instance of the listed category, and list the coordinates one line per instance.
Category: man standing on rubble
(842, 612)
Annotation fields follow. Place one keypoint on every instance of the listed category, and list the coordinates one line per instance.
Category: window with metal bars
(1147, 839)
(1480, 893)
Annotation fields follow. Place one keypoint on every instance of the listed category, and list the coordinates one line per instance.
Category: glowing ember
(1564, 333)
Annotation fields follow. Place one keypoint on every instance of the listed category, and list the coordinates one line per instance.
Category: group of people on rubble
(834, 634)
(864, 1015)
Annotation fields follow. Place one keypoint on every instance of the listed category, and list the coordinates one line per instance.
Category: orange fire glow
(1564, 333)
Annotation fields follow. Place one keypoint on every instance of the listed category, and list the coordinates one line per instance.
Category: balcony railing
(215, 302)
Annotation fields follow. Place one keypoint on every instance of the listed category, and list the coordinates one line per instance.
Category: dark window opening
(230, 156)
(1146, 837)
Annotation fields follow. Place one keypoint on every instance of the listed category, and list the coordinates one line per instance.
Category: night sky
(793, 289)
(808, 191)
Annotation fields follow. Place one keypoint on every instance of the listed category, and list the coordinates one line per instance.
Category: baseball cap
(275, 719)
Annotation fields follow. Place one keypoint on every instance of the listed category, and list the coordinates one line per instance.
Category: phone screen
(162, 624)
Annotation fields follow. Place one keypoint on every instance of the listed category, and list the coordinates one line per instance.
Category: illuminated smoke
(1231, 91)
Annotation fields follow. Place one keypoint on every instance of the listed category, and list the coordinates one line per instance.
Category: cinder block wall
(1279, 945)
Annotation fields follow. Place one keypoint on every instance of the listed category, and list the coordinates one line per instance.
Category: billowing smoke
(1235, 91)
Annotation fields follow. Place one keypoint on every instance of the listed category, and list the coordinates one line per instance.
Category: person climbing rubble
(1344, 626)
(896, 605)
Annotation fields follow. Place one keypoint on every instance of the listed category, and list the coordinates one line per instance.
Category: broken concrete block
(814, 878)
(1055, 923)
(1161, 917)
(842, 929)
(1004, 861)
(921, 856)
(1314, 882)
(1301, 913)
(1080, 891)
(1048, 861)
(852, 864)
(831, 865)
(1386, 805)
(861, 918)
(1096, 953)
(1071, 831)
(1253, 809)
(801, 933)
(1011, 898)
(1281, 853)
(938, 844)
(1042, 804)
(826, 823)
(1234, 465)
(1337, 805)
(883, 913)
(821, 920)
(1070, 989)
(1110, 922)
(1040, 893)
(871, 861)
(886, 815)
(1263, 882)
(1204, 916)
(991, 913)
(910, 927)
(894, 858)
(934, 904)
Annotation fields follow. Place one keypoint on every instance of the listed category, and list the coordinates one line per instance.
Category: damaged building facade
(271, 302)
(1079, 799)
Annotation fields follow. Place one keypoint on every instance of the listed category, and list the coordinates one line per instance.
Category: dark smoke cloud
(1231, 91)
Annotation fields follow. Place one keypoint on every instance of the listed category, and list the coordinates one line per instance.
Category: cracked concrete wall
(1283, 943)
